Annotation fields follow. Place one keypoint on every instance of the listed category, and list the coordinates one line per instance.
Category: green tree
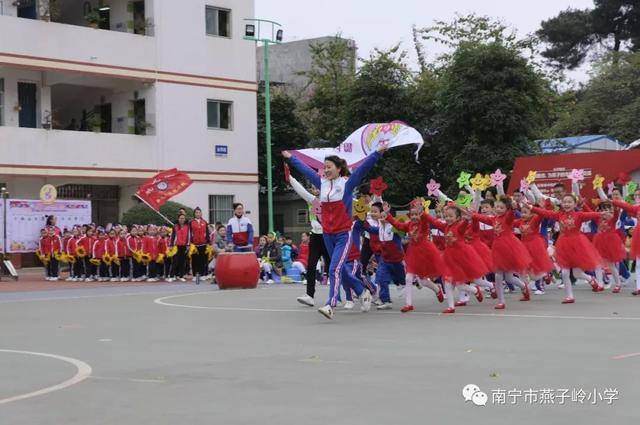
(385, 90)
(573, 34)
(331, 75)
(287, 132)
(143, 214)
(490, 106)
(608, 104)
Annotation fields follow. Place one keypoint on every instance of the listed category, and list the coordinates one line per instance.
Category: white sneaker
(376, 300)
(365, 300)
(384, 306)
(54, 279)
(538, 292)
(182, 279)
(326, 311)
(561, 286)
(170, 279)
(269, 282)
(69, 279)
(348, 305)
(306, 300)
(193, 279)
(88, 279)
(114, 279)
(152, 279)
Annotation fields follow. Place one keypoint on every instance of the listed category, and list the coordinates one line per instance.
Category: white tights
(566, 279)
(408, 288)
(614, 272)
(510, 277)
(465, 288)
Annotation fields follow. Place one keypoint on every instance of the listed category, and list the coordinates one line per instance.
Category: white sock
(500, 286)
(580, 274)
(512, 279)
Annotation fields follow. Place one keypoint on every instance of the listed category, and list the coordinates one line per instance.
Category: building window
(303, 216)
(219, 114)
(1, 101)
(220, 208)
(218, 21)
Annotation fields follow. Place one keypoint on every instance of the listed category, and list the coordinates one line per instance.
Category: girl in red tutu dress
(461, 261)
(529, 226)
(609, 245)
(635, 240)
(573, 249)
(509, 254)
(422, 259)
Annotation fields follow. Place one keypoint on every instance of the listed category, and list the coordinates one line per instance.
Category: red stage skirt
(510, 255)
(610, 246)
(540, 261)
(575, 250)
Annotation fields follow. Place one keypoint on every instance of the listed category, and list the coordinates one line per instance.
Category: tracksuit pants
(338, 245)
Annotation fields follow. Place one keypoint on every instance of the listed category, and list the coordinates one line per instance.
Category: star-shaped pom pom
(426, 203)
(531, 177)
(464, 200)
(478, 182)
(378, 186)
(576, 175)
(360, 209)
(598, 181)
(433, 188)
(632, 187)
(463, 179)
(524, 185)
(497, 178)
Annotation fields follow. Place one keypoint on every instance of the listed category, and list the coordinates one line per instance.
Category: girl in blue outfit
(336, 194)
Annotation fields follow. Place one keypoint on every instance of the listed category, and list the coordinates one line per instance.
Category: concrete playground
(187, 354)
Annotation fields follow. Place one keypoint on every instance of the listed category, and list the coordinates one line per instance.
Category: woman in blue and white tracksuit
(336, 194)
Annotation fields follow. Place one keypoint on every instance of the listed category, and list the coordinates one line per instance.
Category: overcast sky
(382, 24)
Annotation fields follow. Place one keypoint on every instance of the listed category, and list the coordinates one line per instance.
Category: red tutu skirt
(509, 254)
(610, 246)
(575, 250)
(424, 260)
(635, 243)
(540, 261)
(484, 252)
(463, 264)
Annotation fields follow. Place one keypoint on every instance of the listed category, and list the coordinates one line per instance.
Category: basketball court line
(83, 371)
(163, 301)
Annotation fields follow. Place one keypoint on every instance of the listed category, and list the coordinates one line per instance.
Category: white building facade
(157, 85)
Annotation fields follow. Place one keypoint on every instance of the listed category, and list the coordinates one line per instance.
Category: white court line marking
(625, 356)
(136, 380)
(162, 301)
(82, 297)
(82, 373)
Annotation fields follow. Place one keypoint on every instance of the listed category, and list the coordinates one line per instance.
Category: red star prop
(377, 186)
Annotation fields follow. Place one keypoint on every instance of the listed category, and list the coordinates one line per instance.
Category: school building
(97, 96)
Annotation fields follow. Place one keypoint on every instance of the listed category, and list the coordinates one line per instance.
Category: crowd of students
(149, 253)
(499, 243)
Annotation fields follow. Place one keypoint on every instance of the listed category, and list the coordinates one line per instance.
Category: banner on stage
(25, 219)
(362, 142)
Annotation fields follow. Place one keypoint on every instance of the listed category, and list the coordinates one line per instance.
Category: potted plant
(142, 127)
(93, 18)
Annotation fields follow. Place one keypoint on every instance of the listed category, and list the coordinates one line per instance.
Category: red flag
(163, 186)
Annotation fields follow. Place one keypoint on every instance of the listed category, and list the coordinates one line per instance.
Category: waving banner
(362, 142)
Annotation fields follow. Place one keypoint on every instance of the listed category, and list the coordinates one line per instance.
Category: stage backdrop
(26, 217)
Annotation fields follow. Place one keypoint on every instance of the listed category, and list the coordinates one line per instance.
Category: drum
(235, 270)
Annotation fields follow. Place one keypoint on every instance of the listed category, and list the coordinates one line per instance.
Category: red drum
(237, 270)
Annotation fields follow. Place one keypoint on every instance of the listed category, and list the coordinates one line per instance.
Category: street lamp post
(252, 33)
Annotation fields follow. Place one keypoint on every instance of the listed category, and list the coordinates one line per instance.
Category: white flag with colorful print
(362, 142)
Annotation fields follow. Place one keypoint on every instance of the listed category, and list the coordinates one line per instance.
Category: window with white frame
(219, 114)
(1, 101)
(218, 21)
(303, 216)
(220, 208)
